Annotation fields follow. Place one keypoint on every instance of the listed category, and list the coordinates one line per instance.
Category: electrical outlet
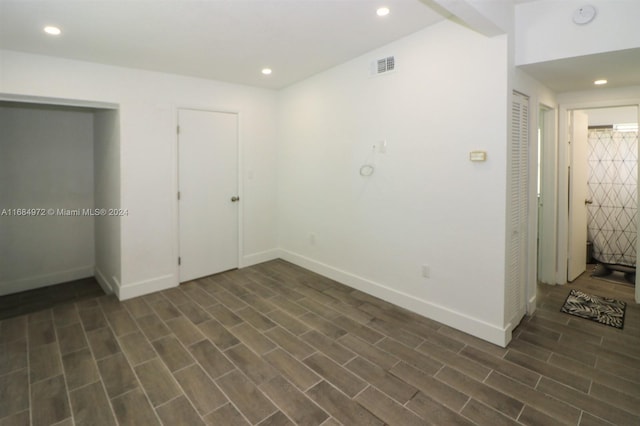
(426, 271)
(312, 239)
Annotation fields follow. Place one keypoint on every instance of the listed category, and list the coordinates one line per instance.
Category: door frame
(547, 231)
(564, 161)
(176, 177)
(548, 185)
(112, 284)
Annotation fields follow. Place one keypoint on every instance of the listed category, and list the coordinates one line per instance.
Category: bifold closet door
(518, 198)
(208, 192)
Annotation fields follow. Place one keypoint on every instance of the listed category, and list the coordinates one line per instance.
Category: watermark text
(34, 212)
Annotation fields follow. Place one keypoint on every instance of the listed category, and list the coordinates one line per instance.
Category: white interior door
(208, 185)
(578, 192)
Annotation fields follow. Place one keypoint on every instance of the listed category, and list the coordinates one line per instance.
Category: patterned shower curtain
(613, 177)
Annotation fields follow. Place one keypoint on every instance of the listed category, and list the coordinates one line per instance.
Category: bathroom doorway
(613, 179)
(610, 159)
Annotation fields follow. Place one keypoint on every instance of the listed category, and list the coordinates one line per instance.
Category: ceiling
(621, 68)
(228, 40)
(232, 40)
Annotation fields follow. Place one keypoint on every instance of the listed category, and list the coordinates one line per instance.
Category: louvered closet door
(518, 199)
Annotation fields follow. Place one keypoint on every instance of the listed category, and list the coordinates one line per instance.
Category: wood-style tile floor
(13, 305)
(277, 345)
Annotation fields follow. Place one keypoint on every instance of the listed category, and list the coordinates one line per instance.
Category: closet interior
(60, 171)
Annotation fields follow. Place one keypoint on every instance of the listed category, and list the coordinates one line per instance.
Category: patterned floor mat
(595, 308)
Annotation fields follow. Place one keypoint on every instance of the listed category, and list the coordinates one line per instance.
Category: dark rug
(595, 308)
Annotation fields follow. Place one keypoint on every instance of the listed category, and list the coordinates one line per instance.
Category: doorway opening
(60, 172)
(612, 202)
(602, 219)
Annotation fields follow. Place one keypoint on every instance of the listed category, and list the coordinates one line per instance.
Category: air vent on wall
(383, 66)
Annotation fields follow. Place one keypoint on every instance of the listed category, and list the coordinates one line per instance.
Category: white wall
(106, 126)
(609, 116)
(426, 203)
(601, 97)
(147, 106)
(545, 30)
(46, 162)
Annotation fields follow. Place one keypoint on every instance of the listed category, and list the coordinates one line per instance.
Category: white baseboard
(531, 305)
(476, 327)
(129, 291)
(261, 257)
(44, 280)
(108, 286)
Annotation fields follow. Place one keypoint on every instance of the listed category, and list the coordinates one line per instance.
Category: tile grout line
(277, 346)
(131, 366)
(229, 400)
(303, 392)
(524, 405)
(213, 380)
(197, 363)
(95, 362)
(280, 409)
(63, 371)
(28, 343)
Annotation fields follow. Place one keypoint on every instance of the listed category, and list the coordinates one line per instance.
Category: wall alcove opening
(59, 172)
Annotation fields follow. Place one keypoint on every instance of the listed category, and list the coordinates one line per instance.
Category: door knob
(235, 199)
(588, 202)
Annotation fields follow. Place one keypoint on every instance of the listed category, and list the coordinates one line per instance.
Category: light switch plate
(478, 156)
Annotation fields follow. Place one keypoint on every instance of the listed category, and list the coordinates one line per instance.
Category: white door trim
(578, 194)
(548, 188)
(58, 101)
(175, 178)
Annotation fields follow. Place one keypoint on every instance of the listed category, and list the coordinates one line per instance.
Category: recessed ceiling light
(600, 82)
(383, 11)
(52, 30)
(266, 71)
